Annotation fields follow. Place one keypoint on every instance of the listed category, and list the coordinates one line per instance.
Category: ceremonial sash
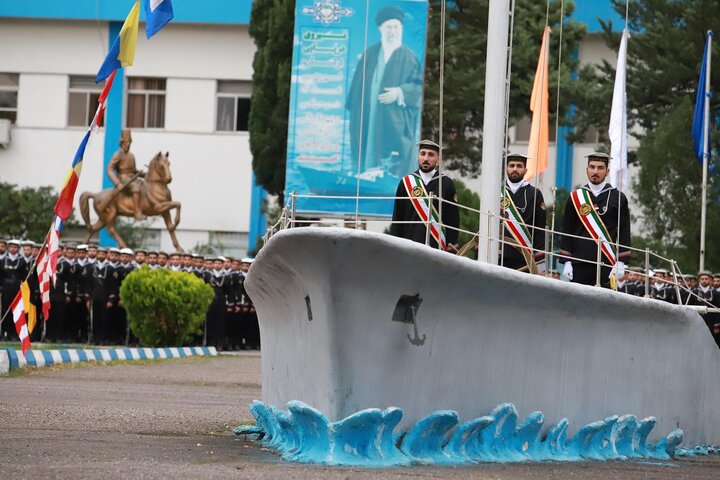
(592, 222)
(420, 200)
(515, 223)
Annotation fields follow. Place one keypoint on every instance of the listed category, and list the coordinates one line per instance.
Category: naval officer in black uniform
(529, 203)
(428, 158)
(610, 204)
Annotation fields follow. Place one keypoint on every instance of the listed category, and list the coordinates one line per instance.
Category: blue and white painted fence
(11, 359)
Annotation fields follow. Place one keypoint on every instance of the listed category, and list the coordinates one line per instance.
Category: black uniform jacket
(609, 203)
(404, 211)
(529, 202)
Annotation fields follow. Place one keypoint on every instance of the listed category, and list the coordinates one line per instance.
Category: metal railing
(651, 260)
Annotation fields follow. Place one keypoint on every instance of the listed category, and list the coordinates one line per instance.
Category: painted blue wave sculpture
(368, 438)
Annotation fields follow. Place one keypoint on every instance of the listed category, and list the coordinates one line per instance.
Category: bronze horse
(155, 199)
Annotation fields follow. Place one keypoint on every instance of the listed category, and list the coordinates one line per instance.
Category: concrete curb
(11, 359)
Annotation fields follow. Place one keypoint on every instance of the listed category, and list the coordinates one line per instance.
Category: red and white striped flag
(18, 313)
(47, 264)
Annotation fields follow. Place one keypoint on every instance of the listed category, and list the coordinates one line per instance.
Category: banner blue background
(324, 134)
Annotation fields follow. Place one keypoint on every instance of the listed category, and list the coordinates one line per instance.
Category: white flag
(618, 122)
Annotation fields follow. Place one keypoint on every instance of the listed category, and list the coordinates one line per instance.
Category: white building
(187, 93)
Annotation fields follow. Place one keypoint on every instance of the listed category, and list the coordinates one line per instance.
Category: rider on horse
(121, 170)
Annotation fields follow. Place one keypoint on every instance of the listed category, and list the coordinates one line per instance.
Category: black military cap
(517, 157)
(429, 145)
(389, 12)
(598, 157)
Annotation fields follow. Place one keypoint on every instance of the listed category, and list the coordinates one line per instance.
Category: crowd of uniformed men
(85, 300)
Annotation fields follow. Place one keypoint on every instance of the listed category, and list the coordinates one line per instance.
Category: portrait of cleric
(385, 103)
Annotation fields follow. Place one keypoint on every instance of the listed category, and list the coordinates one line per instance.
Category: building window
(82, 101)
(233, 106)
(146, 103)
(8, 96)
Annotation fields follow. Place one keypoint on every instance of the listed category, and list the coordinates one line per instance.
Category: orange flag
(539, 130)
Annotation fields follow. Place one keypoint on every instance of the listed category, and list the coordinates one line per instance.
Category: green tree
(271, 26)
(669, 190)
(464, 75)
(667, 38)
(26, 212)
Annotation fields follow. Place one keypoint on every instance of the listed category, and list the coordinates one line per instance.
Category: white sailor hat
(27, 243)
(114, 250)
(82, 246)
(14, 241)
(126, 251)
(221, 258)
(517, 157)
(247, 260)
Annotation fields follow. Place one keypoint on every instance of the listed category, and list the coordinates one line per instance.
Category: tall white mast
(493, 128)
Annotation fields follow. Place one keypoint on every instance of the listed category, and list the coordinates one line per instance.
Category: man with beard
(385, 97)
(413, 203)
(523, 209)
(595, 211)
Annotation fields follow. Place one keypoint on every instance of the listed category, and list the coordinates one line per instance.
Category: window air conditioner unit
(4, 132)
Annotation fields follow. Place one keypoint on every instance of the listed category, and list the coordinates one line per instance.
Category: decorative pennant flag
(122, 52)
(102, 101)
(29, 307)
(539, 129)
(64, 204)
(618, 122)
(157, 14)
(47, 264)
(18, 312)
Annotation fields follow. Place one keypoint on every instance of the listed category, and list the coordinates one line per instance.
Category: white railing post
(598, 272)
(647, 272)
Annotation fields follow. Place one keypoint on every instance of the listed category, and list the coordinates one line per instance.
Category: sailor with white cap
(13, 270)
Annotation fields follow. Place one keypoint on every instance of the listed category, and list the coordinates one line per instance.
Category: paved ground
(173, 419)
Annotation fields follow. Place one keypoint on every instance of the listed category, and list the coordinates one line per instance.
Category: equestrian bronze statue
(132, 197)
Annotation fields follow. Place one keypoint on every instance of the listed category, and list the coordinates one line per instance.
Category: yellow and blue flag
(122, 52)
(157, 14)
(64, 204)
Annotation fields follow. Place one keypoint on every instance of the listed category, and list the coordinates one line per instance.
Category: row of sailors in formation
(89, 279)
(701, 289)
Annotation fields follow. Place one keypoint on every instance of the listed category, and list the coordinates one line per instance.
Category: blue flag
(157, 14)
(698, 128)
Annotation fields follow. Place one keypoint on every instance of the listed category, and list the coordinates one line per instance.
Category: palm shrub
(165, 308)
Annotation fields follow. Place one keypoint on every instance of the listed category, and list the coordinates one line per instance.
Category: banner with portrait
(355, 102)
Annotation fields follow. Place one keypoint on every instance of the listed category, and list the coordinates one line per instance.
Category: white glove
(618, 270)
(568, 271)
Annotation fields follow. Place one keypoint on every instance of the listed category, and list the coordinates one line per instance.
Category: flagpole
(706, 132)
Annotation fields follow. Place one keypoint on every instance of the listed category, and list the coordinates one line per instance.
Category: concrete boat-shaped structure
(352, 320)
